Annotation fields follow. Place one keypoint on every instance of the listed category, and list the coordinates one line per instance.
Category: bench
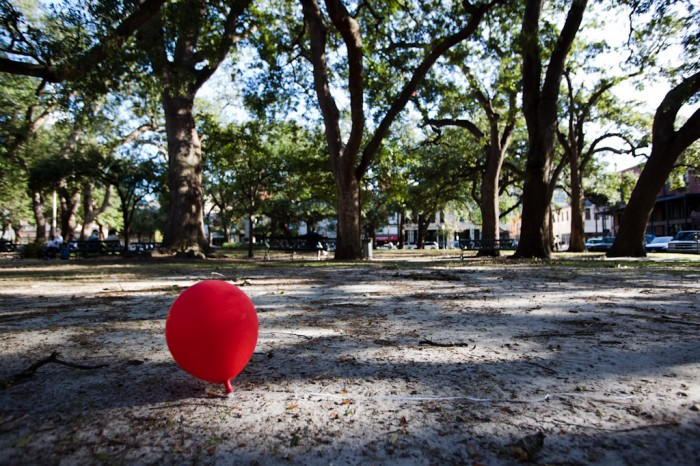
(107, 248)
(92, 248)
(486, 245)
(301, 245)
(7, 246)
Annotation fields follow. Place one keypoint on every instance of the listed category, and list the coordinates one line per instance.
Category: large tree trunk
(349, 243)
(577, 240)
(70, 203)
(39, 218)
(668, 144)
(490, 229)
(184, 228)
(90, 211)
(535, 232)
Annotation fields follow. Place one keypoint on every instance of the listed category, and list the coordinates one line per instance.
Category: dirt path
(383, 363)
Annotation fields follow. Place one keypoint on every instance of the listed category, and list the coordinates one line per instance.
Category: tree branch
(460, 123)
(477, 13)
(82, 64)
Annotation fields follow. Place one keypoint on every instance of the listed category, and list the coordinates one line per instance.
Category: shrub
(33, 250)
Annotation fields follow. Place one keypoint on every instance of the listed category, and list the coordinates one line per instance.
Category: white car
(431, 245)
(658, 244)
(685, 241)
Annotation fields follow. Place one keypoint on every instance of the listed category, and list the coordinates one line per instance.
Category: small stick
(31, 370)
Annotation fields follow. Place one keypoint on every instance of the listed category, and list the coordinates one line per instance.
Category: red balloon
(211, 331)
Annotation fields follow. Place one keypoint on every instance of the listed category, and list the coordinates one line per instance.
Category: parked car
(658, 244)
(603, 245)
(590, 242)
(431, 245)
(685, 241)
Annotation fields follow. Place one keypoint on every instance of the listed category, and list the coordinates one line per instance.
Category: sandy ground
(474, 362)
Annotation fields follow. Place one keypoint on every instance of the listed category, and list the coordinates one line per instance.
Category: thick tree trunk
(668, 144)
(577, 240)
(629, 241)
(39, 218)
(70, 203)
(540, 111)
(535, 233)
(423, 224)
(349, 243)
(184, 230)
(90, 212)
(489, 202)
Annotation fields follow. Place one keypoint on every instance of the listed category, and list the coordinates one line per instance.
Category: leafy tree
(583, 108)
(134, 179)
(73, 41)
(439, 177)
(494, 127)
(307, 193)
(541, 87)
(184, 44)
(245, 161)
(399, 30)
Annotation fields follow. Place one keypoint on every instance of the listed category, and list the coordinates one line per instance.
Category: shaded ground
(442, 362)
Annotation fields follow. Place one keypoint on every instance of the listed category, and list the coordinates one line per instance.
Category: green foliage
(34, 250)
(262, 168)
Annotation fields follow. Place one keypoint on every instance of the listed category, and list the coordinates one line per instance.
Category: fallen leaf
(393, 438)
(527, 447)
(346, 402)
(289, 408)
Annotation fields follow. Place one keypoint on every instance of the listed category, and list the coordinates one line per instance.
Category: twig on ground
(31, 370)
(556, 334)
(445, 345)
(551, 371)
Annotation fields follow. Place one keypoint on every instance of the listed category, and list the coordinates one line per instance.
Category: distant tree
(582, 109)
(134, 180)
(246, 161)
(388, 94)
(439, 177)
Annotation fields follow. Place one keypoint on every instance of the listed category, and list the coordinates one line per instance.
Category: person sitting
(112, 241)
(52, 247)
(95, 236)
(112, 236)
